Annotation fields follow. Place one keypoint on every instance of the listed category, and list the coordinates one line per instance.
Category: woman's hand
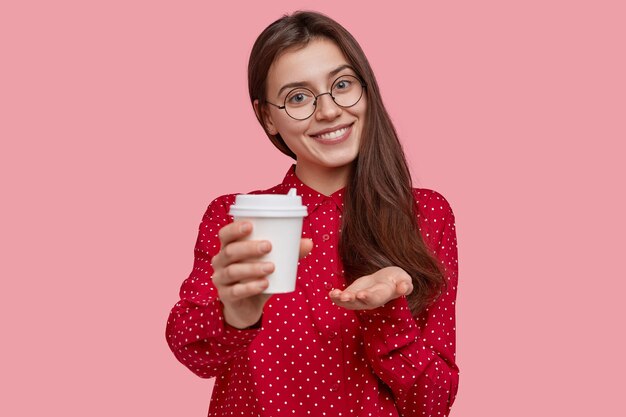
(372, 291)
(240, 276)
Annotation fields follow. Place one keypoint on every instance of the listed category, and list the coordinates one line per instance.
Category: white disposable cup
(278, 219)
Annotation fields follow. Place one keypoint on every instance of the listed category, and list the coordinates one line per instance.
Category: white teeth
(333, 135)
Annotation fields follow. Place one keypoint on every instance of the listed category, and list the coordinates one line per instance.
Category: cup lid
(268, 205)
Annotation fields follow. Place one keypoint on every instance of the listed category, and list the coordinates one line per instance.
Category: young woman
(370, 329)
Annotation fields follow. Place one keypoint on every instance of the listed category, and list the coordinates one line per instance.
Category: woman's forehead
(316, 61)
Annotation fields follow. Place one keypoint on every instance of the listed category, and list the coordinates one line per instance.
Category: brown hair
(379, 227)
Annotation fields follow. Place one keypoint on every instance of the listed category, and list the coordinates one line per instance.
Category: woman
(369, 330)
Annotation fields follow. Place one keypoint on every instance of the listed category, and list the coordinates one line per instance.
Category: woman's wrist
(237, 322)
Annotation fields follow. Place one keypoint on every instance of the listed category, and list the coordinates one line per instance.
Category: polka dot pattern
(311, 357)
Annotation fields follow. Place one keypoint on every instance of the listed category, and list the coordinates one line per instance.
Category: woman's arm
(415, 357)
(416, 362)
(196, 331)
(220, 302)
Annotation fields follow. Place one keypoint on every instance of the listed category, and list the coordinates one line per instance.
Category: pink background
(121, 120)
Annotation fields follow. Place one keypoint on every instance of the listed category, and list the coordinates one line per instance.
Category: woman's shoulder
(430, 199)
(433, 209)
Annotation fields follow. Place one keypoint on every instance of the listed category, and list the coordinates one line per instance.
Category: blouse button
(325, 237)
(332, 335)
(328, 285)
(334, 387)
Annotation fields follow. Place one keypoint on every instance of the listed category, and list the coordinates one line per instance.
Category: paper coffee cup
(278, 219)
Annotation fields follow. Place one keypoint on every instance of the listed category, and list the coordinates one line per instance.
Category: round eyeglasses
(300, 103)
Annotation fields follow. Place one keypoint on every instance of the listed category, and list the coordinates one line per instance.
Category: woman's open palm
(374, 290)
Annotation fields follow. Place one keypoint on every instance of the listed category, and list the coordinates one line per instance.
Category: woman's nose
(326, 108)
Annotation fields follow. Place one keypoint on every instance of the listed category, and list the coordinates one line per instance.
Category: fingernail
(265, 246)
(245, 228)
(267, 268)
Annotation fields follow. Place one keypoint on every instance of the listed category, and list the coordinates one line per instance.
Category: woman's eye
(298, 98)
(342, 85)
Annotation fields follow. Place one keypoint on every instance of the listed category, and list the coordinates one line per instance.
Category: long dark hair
(379, 227)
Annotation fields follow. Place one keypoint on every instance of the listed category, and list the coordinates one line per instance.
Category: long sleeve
(415, 357)
(195, 330)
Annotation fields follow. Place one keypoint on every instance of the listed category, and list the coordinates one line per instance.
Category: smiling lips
(333, 136)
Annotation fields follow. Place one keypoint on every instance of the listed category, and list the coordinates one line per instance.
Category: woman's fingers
(235, 250)
(241, 251)
(342, 296)
(350, 302)
(367, 293)
(375, 297)
(236, 272)
(237, 275)
(305, 247)
(243, 290)
(404, 288)
(234, 231)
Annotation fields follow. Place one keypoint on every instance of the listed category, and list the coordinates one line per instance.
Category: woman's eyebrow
(339, 69)
(301, 83)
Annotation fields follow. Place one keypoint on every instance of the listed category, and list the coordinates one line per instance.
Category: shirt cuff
(225, 334)
(232, 336)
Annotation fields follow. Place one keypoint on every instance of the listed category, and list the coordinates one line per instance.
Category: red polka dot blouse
(310, 357)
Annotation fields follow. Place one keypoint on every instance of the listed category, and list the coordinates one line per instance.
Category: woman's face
(329, 139)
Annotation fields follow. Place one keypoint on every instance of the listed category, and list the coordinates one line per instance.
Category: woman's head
(289, 36)
(315, 103)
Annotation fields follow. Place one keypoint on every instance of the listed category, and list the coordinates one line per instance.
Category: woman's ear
(263, 114)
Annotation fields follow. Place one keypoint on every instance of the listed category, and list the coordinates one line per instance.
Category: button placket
(324, 223)
(324, 232)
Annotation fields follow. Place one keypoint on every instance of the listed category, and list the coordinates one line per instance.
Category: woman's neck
(322, 179)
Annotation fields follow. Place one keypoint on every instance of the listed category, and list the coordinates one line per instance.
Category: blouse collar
(311, 198)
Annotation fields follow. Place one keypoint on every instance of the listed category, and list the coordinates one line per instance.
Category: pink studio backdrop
(121, 120)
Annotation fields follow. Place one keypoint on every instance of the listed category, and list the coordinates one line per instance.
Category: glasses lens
(347, 90)
(299, 103)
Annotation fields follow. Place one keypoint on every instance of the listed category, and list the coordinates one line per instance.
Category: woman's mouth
(335, 136)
